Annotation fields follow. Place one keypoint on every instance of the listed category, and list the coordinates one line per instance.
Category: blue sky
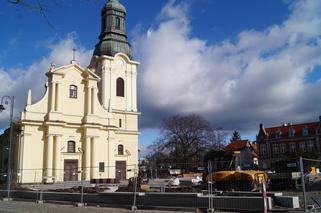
(212, 20)
(237, 63)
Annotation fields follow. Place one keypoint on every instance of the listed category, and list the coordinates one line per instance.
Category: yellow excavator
(226, 174)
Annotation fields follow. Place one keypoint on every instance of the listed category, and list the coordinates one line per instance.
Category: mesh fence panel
(312, 178)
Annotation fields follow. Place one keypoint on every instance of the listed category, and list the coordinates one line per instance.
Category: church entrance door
(120, 170)
(71, 170)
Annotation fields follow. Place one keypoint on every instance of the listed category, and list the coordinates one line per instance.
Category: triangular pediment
(62, 70)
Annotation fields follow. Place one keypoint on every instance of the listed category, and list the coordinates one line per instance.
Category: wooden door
(120, 170)
(71, 170)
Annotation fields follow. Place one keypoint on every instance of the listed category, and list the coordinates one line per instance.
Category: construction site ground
(31, 207)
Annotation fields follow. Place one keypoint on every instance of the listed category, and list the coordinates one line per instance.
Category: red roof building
(247, 152)
(287, 142)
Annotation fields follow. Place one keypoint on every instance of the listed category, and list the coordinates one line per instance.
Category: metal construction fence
(310, 170)
(216, 182)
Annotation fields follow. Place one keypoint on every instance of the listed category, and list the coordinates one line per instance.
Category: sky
(236, 63)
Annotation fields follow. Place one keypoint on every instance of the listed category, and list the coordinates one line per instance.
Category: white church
(85, 127)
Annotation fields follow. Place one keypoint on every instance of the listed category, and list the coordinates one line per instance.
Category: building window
(120, 87)
(101, 167)
(117, 26)
(120, 150)
(292, 147)
(302, 146)
(263, 149)
(305, 131)
(291, 132)
(283, 148)
(72, 91)
(120, 123)
(275, 148)
(310, 146)
(278, 134)
(71, 148)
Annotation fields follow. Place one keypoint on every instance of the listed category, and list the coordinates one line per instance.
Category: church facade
(86, 124)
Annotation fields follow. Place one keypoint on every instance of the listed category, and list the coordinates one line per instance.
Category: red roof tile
(298, 128)
(241, 144)
(254, 152)
(236, 145)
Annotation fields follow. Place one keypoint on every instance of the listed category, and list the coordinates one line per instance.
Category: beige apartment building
(86, 124)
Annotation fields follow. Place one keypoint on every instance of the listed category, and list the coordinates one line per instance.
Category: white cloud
(17, 81)
(258, 78)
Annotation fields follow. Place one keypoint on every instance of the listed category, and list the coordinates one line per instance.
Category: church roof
(59, 70)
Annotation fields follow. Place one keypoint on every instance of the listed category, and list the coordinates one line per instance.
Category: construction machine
(226, 173)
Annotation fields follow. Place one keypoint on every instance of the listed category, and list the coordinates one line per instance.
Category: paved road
(29, 207)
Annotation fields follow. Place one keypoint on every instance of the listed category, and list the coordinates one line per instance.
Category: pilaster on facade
(49, 159)
(52, 96)
(57, 98)
(87, 158)
(57, 164)
(103, 88)
(53, 158)
(94, 158)
(91, 157)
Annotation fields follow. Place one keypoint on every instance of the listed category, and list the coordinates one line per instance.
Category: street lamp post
(4, 101)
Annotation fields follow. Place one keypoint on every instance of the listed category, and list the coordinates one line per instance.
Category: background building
(246, 153)
(86, 124)
(288, 142)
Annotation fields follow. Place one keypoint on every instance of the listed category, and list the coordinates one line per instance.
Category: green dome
(113, 37)
(111, 46)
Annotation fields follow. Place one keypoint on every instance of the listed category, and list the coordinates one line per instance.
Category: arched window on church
(120, 87)
(120, 150)
(72, 91)
(71, 148)
(117, 26)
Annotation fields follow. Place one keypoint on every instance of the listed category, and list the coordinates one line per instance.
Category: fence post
(303, 184)
(40, 201)
(210, 187)
(134, 207)
(81, 204)
(264, 197)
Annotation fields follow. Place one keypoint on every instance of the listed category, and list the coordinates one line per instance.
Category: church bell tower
(112, 61)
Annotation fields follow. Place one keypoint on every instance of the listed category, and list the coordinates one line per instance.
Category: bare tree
(219, 140)
(157, 153)
(41, 6)
(186, 137)
(36, 5)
